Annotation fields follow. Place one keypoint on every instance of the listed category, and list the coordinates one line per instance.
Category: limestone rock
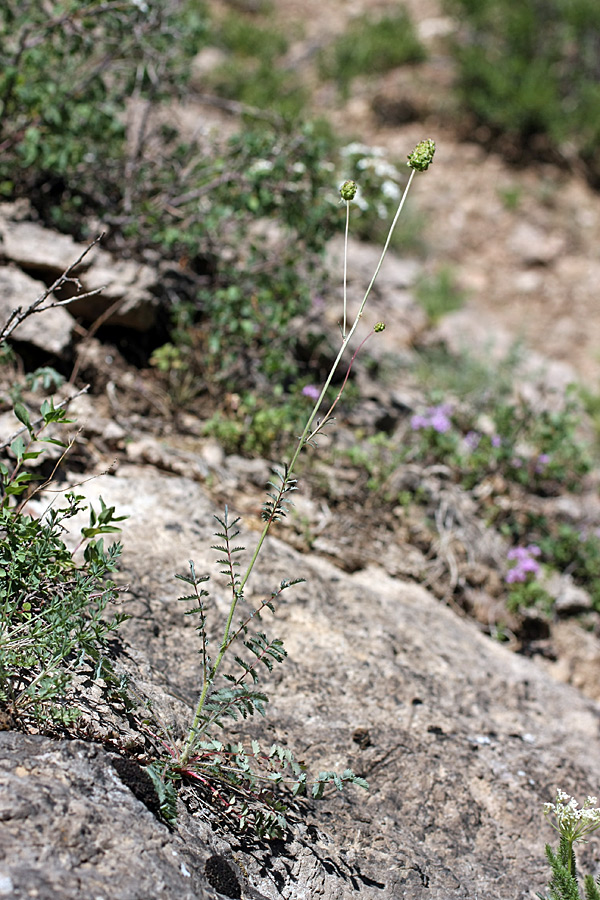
(71, 828)
(31, 246)
(534, 246)
(466, 740)
(127, 285)
(51, 332)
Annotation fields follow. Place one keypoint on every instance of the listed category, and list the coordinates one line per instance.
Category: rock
(150, 451)
(71, 828)
(127, 285)
(570, 599)
(51, 332)
(390, 302)
(534, 246)
(467, 740)
(33, 247)
(578, 657)
(396, 271)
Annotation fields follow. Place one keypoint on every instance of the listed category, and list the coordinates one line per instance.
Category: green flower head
(348, 190)
(422, 156)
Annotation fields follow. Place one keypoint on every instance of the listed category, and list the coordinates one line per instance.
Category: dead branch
(18, 315)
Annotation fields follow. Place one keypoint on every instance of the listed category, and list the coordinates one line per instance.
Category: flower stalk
(418, 161)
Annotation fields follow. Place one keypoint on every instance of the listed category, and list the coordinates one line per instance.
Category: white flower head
(260, 166)
(572, 821)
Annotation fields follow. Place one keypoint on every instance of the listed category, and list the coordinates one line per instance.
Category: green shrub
(52, 607)
(245, 222)
(254, 73)
(259, 426)
(67, 71)
(261, 229)
(372, 46)
(528, 69)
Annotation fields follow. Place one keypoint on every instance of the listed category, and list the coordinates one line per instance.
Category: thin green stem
(302, 440)
(341, 390)
(346, 262)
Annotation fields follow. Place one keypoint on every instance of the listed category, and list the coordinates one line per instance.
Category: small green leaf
(22, 415)
(18, 448)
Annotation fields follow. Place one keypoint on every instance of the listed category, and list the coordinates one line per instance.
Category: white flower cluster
(375, 174)
(573, 822)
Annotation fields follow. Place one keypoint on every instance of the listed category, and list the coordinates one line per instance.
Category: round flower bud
(348, 190)
(379, 327)
(422, 156)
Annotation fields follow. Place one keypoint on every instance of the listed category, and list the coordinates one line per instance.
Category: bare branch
(19, 314)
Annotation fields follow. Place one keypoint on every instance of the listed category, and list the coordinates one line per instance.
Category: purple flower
(436, 417)
(496, 440)
(311, 391)
(541, 462)
(525, 563)
(418, 422)
(472, 439)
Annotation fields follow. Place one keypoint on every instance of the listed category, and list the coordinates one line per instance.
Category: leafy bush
(52, 608)
(529, 69)
(254, 73)
(372, 46)
(67, 71)
(259, 426)
(258, 217)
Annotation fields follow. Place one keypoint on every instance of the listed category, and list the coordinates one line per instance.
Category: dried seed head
(348, 190)
(379, 327)
(422, 156)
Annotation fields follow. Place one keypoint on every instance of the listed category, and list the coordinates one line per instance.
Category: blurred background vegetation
(86, 136)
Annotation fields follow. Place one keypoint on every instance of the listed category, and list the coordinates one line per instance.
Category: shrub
(255, 74)
(68, 70)
(528, 70)
(257, 216)
(52, 607)
(371, 46)
(244, 222)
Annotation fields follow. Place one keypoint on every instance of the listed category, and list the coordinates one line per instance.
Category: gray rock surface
(52, 332)
(127, 285)
(31, 246)
(71, 829)
(461, 741)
